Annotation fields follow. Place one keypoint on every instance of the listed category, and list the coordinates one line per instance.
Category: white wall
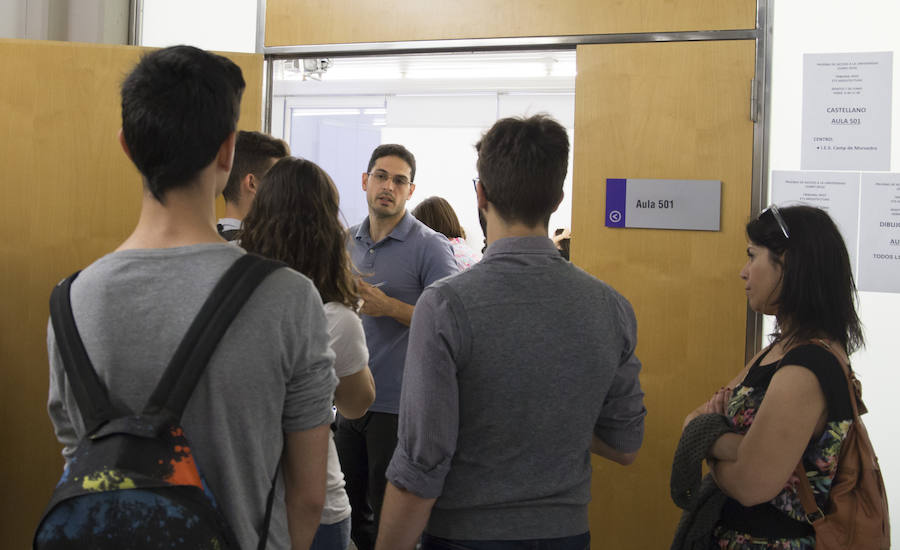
(440, 129)
(221, 25)
(12, 18)
(836, 26)
(97, 21)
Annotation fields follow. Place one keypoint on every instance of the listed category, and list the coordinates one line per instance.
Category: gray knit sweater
(701, 500)
(512, 366)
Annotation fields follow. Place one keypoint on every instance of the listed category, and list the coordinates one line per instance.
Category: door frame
(759, 109)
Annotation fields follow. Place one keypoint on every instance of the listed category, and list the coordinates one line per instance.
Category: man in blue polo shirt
(398, 257)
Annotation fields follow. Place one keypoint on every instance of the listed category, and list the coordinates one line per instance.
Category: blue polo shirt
(409, 259)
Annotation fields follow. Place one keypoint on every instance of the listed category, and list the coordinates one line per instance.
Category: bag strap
(89, 392)
(192, 355)
(804, 488)
(270, 501)
(804, 491)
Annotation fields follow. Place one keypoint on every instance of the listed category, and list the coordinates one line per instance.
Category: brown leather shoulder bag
(856, 513)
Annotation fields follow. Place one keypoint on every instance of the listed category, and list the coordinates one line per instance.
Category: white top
(229, 223)
(348, 341)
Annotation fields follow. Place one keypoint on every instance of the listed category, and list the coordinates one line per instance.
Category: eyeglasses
(383, 177)
(773, 209)
(483, 188)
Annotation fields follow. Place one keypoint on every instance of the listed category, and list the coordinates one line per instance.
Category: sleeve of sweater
(687, 466)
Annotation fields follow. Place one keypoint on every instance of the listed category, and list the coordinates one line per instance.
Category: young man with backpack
(261, 409)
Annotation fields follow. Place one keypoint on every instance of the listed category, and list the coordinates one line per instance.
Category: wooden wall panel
(69, 196)
(677, 111)
(299, 22)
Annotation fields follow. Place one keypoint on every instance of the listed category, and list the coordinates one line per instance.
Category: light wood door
(674, 111)
(69, 196)
(297, 22)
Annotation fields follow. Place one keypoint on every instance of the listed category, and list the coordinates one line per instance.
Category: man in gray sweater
(517, 370)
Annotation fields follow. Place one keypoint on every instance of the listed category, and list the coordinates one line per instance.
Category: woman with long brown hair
(294, 218)
(436, 213)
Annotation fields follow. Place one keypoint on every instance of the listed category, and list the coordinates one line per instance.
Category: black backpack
(132, 482)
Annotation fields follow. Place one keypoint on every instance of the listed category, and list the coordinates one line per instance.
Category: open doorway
(335, 111)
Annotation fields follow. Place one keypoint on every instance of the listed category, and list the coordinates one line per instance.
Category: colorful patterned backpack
(132, 482)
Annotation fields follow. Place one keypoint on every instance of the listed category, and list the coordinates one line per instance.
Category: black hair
(179, 105)
(253, 154)
(522, 164)
(818, 295)
(394, 150)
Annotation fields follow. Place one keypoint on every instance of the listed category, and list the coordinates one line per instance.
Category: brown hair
(437, 214)
(522, 163)
(294, 219)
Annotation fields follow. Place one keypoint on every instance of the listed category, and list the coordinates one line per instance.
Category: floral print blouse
(821, 454)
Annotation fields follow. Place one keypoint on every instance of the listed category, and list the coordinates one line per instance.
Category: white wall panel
(833, 26)
(222, 25)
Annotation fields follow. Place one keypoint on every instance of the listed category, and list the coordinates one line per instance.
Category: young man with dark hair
(517, 370)
(254, 154)
(265, 398)
(399, 256)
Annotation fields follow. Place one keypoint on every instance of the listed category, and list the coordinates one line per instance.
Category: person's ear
(124, 145)
(225, 156)
(365, 180)
(250, 184)
(412, 187)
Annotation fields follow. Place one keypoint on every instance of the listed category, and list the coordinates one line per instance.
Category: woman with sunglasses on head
(294, 219)
(791, 402)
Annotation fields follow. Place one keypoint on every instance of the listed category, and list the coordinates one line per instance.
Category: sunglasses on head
(773, 209)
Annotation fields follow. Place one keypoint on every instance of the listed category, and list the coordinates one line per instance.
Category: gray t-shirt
(272, 372)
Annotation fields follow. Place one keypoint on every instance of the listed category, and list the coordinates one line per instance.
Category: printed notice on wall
(879, 233)
(835, 192)
(847, 112)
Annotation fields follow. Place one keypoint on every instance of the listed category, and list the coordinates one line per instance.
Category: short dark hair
(818, 295)
(394, 150)
(179, 105)
(294, 219)
(522, 164)
(253, 152)
(436, 213)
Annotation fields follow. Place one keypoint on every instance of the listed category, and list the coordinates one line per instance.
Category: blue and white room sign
(664, 204)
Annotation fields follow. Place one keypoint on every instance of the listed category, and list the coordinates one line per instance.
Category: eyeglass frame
(475, 181)
(773, 209)
(384, 176)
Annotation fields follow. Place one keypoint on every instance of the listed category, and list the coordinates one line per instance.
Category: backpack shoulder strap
(89, 392)
(221, 307)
